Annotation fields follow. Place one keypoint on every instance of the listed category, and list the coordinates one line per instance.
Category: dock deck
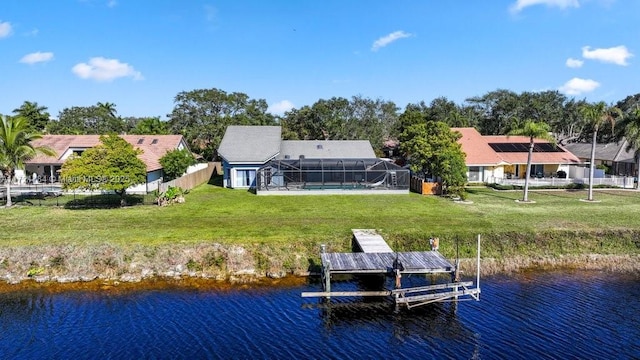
(415, 262)
(372, 255)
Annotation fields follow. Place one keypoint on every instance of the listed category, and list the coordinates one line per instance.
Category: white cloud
(112, 3)
(5, 29)
(574, 63)
(616, 55)
(102, 69)
(37, 57)
(577, 86)
(281, 107)
(388, 39)
(562, 4)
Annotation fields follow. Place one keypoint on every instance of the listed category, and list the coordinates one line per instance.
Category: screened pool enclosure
(315, 176)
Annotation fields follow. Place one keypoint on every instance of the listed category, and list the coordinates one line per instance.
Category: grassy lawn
(229, 216)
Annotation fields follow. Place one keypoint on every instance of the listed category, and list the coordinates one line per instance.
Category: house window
(245, 178)
(140, 141)
(537, 170)
(154, 141)
(475, 174)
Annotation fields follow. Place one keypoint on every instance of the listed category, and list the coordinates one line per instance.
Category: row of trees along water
(202, 116)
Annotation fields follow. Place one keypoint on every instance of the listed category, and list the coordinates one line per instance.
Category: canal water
(548, 315)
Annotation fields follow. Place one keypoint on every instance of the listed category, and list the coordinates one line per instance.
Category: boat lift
(372, 255)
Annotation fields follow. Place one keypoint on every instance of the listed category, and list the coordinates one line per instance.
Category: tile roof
(479, 152)
(153, 147)
(326, 149)
(250, 144)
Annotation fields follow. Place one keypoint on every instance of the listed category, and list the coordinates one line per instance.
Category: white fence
(625, 182)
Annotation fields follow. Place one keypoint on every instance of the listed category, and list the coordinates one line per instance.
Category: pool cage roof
(331, 174)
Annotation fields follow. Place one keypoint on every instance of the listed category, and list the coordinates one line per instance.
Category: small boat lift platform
(372, 255)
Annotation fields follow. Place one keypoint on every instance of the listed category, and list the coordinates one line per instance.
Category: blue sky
(139, 54)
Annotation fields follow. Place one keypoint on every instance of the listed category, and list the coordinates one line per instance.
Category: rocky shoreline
(232, 264)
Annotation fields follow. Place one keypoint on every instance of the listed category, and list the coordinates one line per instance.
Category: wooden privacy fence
(425, 188)
(189, 181)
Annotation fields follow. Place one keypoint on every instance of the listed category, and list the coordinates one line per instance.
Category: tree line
(202, 116)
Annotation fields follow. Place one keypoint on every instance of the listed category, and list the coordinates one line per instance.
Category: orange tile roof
(153, 147)
(479, 152)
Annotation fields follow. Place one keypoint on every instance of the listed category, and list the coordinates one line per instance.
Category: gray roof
(607, 152)
(326, 149)
(250, 144)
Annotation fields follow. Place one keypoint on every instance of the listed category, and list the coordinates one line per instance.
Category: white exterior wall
(488, 172)
(196, 167)
(578, 172)
(493, 172)
(19, 176)
(153, 179)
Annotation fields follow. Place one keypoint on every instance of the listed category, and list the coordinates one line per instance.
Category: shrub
(173, 194)
(213, 259)
(603, 167)
(194, 265)
(176, 162)
(561, 174)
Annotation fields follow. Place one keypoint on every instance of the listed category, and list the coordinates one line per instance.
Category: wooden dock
(415, 262)
(372, 255)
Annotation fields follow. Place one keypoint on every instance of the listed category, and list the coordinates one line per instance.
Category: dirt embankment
(236, 264)
(607, 262)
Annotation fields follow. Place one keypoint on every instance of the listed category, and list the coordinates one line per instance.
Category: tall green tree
(598, 115)
(339, 118)
(533, 130)
(202, 117)
(36, 115)
(432, 150)
(16, 148)
(98, 119)
(150, 126)
(501, 111)
(113, 165)
(630, 130)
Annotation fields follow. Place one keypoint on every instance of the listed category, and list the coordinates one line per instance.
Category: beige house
(491, 157)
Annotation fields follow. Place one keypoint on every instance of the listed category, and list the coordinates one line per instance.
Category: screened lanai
(321, 176)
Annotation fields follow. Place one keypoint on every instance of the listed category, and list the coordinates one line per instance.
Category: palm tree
(37, 115)
(631, 132)
(597, 115)
(16, 147)
(534, 130)
(108, 108)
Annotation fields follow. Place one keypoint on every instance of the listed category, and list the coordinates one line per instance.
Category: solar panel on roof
(524, 147)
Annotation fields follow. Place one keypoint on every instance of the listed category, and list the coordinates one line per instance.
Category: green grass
(229, 216)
